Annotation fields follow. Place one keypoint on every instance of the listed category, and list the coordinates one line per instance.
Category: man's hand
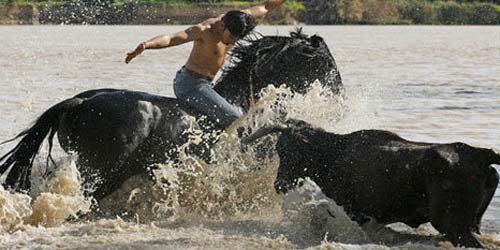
(140, 48)
(263, 9)
(273, 4)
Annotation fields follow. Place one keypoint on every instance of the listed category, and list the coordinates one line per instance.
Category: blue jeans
(197, 91)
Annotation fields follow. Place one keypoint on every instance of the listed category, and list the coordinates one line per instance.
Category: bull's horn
(262, 132)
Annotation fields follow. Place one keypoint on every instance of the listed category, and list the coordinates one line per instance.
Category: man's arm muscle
(191, 34)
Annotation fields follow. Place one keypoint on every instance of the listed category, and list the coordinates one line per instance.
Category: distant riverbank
(293, 12)
(137, 12)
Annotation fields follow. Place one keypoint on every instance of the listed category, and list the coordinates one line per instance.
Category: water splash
(191, 202)
(53, 200)
(238, 182)
(13, 208)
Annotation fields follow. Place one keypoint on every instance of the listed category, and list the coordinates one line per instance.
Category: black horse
(120, 133)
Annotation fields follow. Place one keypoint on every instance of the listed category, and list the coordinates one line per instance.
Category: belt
(196, 74)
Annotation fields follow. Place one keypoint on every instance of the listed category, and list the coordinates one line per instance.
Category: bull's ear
(493, 157)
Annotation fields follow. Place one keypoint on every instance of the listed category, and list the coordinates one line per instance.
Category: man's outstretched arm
(263, 9)
(164, 41)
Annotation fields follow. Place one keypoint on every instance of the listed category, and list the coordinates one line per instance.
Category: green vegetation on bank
(401, 12)
(449, 12)
(295, 5)
(240, 4)
(459, 12)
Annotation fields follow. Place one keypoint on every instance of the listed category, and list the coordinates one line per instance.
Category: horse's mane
(296, 60)
(242, 57)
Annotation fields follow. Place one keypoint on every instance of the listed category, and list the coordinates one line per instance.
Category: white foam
(53, 201)
(230, 203)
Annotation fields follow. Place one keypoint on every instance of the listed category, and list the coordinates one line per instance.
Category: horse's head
(296, 61)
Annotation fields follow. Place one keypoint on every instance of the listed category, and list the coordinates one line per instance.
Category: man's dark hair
(238, 23)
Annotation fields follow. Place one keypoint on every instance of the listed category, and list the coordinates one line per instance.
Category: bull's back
(384, 167)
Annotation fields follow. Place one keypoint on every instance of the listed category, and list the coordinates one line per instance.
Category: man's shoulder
(205, 25)
(198, 31)
(204, 28)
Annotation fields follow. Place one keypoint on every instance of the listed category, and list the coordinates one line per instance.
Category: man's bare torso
(209, 52)
(211, 39)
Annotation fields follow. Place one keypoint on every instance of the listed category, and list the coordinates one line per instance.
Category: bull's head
(294, 148)
(460, 185)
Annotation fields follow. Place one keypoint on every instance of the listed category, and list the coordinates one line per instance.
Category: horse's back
(112, 112)
(111, 95)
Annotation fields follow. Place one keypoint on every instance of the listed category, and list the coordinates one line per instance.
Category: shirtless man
(212, 40)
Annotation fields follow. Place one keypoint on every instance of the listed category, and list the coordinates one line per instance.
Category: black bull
(121, 133)
(378, 174)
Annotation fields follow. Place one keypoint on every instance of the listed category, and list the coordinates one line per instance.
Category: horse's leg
(141, 160)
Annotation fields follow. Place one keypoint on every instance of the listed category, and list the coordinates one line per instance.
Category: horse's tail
(20, 158)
